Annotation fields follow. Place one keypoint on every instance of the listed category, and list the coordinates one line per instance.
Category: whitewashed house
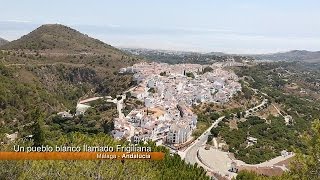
(221, 97)
(65, 114)
(81, 109)
(152, 83)
(178, 133)
(135, 116)
(149, 102)
(140, 92)
(218, 84)
(139, 137)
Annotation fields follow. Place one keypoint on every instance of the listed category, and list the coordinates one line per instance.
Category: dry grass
(201, 127)
(233, 123)
(270, 110)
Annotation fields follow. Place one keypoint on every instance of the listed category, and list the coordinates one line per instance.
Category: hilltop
(59, 38)
(55, 43)
(294, 55)
(3, 41)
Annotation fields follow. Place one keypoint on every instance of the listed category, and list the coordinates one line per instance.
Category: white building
(288, 120)
(149, 102)
(251, 141)
(65, 114)
(178, 133)
(140, 92)
(12, 137)
(135, 116)
(137, 138)
(221, 97)
(152, 83)
(81, 109)
(218, 84)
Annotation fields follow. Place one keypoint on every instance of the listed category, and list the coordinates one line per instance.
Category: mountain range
(294, 55)
(197, 57)
(178, 57)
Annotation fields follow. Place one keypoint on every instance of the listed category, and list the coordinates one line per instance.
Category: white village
(168, 93)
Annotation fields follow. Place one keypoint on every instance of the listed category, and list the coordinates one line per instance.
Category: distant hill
(295, 55)
(3, 41)
(217, 53)
(178, 57)
(59, 38)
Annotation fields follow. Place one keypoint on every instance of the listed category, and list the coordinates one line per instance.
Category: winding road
(191, 152)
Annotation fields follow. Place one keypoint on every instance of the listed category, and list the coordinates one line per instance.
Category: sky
(231, 26)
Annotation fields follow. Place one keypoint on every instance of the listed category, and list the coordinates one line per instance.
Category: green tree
(73, 111)
(215, 131)
(190, 74)
(215, 116)
(307, 166)
(108, 126)
(239, 114)
(152, 90)
(163, 73)
(207, 69)
(209, 139)
(38, 127)
(128, 94)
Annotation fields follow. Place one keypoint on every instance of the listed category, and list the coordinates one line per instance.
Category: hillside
(3, 41)
(61, 38)
(70, 67)
(295, 55)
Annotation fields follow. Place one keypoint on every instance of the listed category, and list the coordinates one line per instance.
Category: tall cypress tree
(37, 129)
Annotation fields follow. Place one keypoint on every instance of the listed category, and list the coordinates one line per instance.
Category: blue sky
(238, 26)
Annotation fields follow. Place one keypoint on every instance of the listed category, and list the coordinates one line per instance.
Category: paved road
(89, 100)
(119, 107)
(119, 103)
(265, 101)
(191, 152)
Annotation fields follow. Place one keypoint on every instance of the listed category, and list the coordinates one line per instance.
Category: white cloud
(16, 21)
